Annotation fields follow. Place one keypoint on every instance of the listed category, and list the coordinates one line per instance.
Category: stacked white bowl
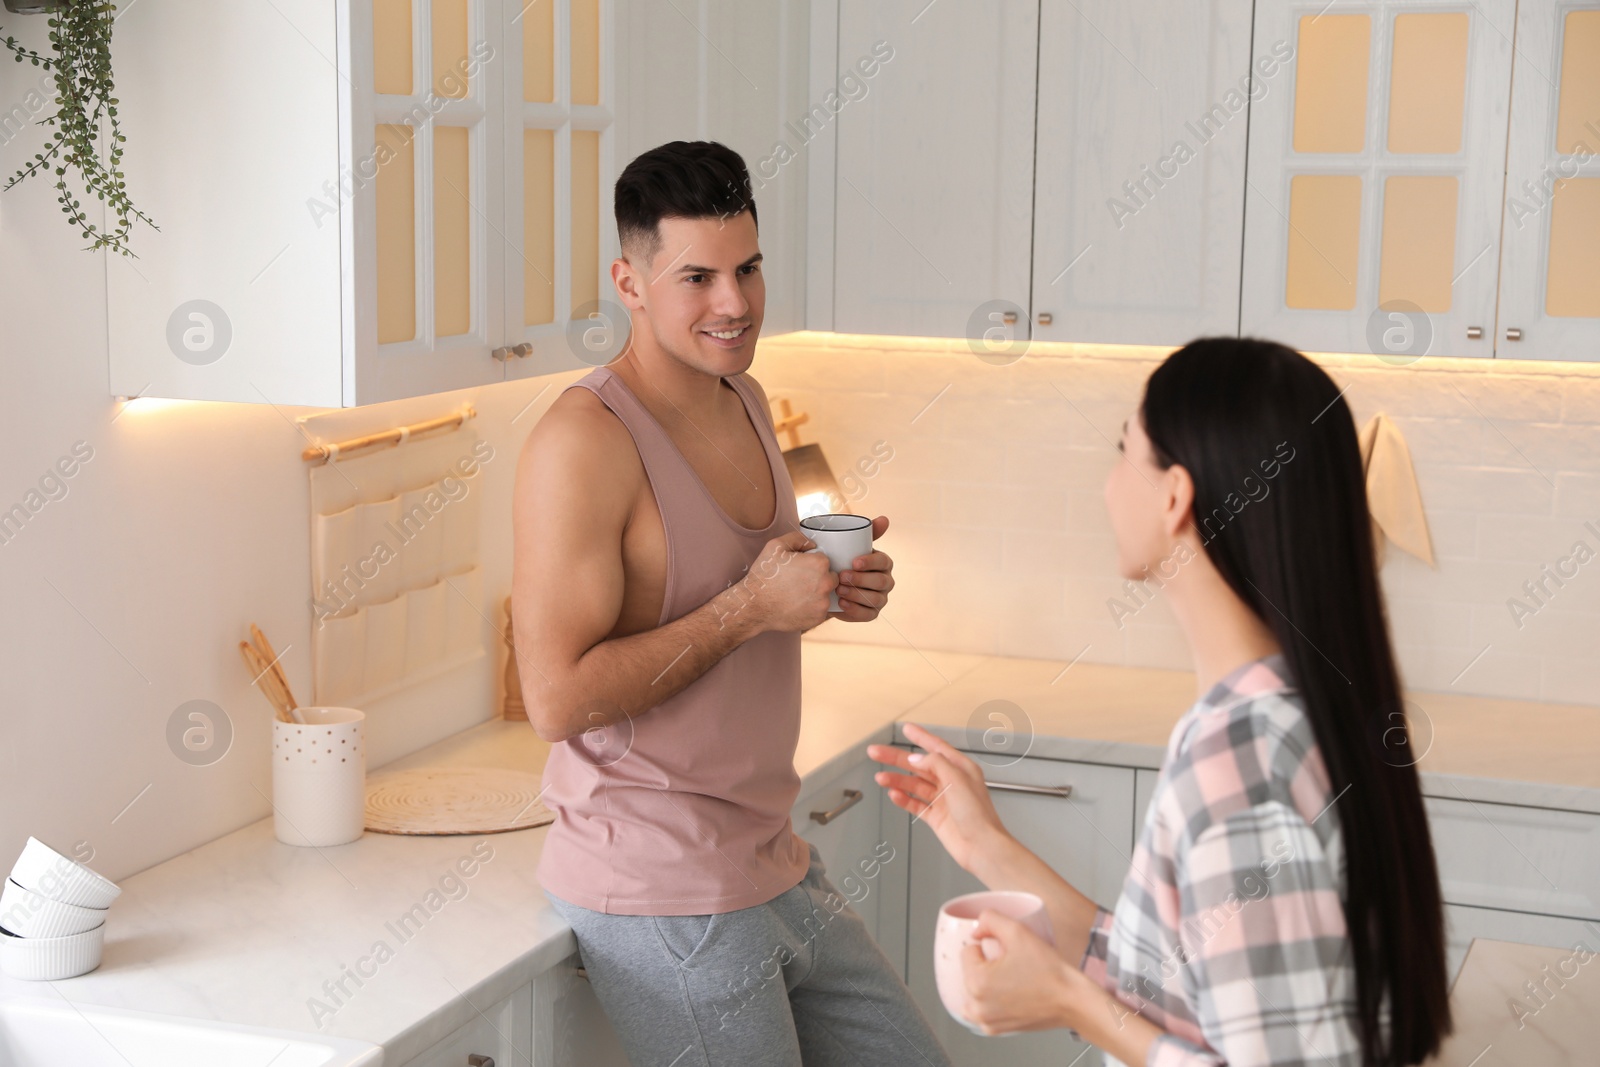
(52, 916)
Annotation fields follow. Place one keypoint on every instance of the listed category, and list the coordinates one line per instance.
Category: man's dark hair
(682, 180)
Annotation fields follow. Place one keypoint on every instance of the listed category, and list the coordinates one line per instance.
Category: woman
(1248, 931)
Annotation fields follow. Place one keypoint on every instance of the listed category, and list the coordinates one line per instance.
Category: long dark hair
(1297, 546)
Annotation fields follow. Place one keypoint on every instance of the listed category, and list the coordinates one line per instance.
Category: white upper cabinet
(385, 198)
(1372, 218)
(1550, 272)
(232, 114)
(328, 182)
(933, 200)
(1139, 183)
(735, 72)
(560, 164)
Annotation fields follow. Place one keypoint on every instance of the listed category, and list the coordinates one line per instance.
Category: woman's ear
(1178, 500)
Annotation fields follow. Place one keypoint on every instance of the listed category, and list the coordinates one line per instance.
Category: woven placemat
(454, 800)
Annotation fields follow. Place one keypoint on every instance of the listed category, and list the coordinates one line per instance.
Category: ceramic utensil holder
(319, 790)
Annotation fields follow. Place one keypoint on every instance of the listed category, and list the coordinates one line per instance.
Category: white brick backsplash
(940, 461)
(1553, 449)
(1061, 468)
(1434, 441)
(1485, 489)
(1158, 646)
(1086, 596)
(1042, 551)
(1002, 544)
(1524, 538)
(1502, 397)
(1575, 681)
(924, 375)
(1005, 507)
(1557, 633)
(1454, 534)
(833, 370)
(1402, 391)
(1429, 622)
(904, 502)
(1502, 673)
(1578, 495)
(1581, 401)
(1087, 555)
(933, 545)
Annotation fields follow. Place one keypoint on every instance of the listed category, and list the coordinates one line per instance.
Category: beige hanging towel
(1392, 494)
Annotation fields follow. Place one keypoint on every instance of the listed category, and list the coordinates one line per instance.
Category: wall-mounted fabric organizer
(397, 589)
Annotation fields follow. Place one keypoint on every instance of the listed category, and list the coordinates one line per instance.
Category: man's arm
(577, 478)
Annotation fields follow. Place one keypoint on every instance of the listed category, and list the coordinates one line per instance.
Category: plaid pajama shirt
(1230, 933)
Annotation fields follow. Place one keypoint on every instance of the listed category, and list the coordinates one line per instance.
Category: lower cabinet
(1516, 858)
(570, 1029)
(1087, 836)
(1513, 873)
(1509, 873)
(499, 1036)
(863, 851)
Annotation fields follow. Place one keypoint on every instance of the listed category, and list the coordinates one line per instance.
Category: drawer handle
(1062, 791)
(475, 1060)
(852, 797)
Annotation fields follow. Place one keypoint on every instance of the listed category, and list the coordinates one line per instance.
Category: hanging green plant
(80, 33)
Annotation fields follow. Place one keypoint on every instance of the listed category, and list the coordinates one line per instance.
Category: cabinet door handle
(1474, 332)
(522, 351)
(852, 797)
(1062, 791)
(1008, 317)
(1513, 334)
(475, 1060)
(501, 354)
(1045, 318)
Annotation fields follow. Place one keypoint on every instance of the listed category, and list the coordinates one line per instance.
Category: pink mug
(958, 918)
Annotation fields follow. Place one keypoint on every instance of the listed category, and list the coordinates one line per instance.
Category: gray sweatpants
(797, 980)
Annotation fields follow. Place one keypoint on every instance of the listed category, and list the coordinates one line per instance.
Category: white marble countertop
(1474, 748)
(248, 930)
(1523, 1004)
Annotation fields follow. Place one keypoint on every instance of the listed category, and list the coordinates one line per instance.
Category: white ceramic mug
(842, 538)
(319, 777)
(958, 918)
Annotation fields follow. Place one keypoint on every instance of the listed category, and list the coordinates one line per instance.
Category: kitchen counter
(248, 930)
(1474, 748)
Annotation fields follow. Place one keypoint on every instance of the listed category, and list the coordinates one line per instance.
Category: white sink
(46, 1033)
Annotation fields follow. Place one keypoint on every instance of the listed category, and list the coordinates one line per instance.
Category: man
(661, 584)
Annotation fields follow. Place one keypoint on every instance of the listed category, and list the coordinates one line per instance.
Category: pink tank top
(684, 809)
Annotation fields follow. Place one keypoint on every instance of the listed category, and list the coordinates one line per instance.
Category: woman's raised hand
(945, 789)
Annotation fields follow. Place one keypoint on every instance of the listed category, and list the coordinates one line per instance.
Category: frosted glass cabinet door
(424, 119)
(560, 164)
(1550, 278)
(934, 190)
(1374, 185)
(1138, 203)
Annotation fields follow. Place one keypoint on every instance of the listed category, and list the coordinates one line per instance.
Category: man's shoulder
(580, 434)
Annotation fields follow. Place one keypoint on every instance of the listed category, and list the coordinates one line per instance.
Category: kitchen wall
(131, 583)
(1002, 544)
